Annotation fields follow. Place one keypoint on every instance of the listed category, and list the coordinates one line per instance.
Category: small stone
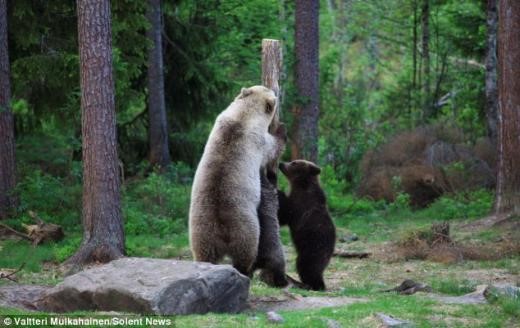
(349, 238)
(333, 324)
(274, 317)
(390, 321)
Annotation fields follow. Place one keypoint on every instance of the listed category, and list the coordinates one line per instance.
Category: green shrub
(157, 205)
(50, 197)
(462, 205)
(509, 304)
(339, 201)
(401, 203)
(66, 248)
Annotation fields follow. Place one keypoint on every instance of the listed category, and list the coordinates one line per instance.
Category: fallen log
(11, 275)
(42, 231)
(15, 232)
(352, 255)
(39, 232)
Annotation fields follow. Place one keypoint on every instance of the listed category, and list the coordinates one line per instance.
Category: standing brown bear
(226, 189)
(312, 230)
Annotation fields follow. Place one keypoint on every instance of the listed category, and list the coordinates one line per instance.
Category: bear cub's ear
(244, 93)
(314, 169)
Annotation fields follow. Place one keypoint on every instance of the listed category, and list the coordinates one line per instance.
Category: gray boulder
(151, 286)
(22, 296)
(502, 290)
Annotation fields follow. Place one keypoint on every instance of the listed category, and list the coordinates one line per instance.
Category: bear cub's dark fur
(305, 211)
(270, 259)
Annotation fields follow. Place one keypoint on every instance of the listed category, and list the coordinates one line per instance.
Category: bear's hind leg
(274, 277)
(206, 254)
(310, 272)
(243, 257)
(244, 264)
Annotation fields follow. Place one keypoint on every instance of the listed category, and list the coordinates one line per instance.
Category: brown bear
(271, 258)
(225, 196)
(312, 230)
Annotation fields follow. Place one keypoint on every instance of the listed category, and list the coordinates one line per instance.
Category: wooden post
(271, 66)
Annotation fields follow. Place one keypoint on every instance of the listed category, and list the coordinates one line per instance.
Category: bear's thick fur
(226, 188)
(312, 230)
(271, 258)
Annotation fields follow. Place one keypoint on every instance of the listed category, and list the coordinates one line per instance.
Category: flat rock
(274, 317)
(476, 297)
(391, 321)
(504, 290)
(348, 238)
(151, 286)
(331, 323)
(266, 304)
(21, 296)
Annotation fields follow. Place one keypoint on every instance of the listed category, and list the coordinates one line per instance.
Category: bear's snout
(283, 167)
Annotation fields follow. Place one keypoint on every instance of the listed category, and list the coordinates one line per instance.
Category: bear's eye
(269, 108)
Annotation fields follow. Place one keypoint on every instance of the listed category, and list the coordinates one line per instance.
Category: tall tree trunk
(414, 58)
(491, 71)
(158, 128)
(7, 162)
(508, 181)
(282, 19)
(306, 111)
(425, 17)
(341, 38)
(103, 238)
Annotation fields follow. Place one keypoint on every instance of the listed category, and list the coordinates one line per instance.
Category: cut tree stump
(441, 233)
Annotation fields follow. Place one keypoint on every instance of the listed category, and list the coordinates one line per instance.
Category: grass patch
(453, 286)
(14, 253)
(175, 245)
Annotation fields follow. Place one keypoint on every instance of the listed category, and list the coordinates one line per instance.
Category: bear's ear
(270, 105)
(314, 169)
(244, 93)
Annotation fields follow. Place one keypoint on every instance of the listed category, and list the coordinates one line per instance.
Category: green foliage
(158, 204)
(510, 304)
(212, 49)
(173, 245)
(401, 203)
(66, 248)
(14, 254)
(339, 201)
(50, 197)
(465, 205)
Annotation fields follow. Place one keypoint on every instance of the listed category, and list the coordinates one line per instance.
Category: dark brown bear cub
(305, 211)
